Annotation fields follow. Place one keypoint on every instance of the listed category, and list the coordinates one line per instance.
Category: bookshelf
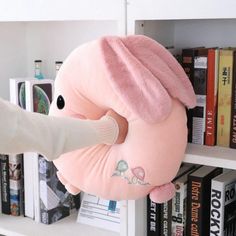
(211, 156)
(181, 24)
(49, 30)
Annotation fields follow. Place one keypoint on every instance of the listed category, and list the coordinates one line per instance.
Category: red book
(211, 100)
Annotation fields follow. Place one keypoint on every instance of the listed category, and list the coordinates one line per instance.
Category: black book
(153, 218)
(198, 200)
(5, 184)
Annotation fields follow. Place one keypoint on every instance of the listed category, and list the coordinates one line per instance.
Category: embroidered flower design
(138, 173)
(121, 168)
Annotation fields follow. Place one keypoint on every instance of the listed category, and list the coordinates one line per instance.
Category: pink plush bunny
(140, 80)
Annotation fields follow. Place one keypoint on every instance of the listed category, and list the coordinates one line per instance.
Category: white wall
(22, 43)
(52, 41)
(12, 54)
(208, 33)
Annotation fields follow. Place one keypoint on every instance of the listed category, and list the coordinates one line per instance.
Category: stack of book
(204, 204)
(212, 72)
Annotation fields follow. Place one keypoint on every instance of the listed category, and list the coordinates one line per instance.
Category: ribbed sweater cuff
(108, 130)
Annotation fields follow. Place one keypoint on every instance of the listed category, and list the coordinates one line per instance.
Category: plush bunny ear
(140, 74)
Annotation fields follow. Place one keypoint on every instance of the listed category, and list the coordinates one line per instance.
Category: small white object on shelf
(94, 211)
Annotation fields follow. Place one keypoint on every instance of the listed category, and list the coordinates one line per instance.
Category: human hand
(122, 124)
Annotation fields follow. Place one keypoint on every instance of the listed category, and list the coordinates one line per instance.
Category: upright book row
(29, 182)
(204, 204)
(212, 72)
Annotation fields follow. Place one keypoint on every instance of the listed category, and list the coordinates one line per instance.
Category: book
(166, 213)
(16, 184)
(188, 55)
(233, 107)
(179, 204)
(211, 99)
(28, 158)
(94, 211)
(153, 218)
(198, 200)
(199, 85)
(223, 204)
(5, 184)
(224, 97)
(38, 97)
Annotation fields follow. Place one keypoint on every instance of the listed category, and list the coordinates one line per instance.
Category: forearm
(23, 131)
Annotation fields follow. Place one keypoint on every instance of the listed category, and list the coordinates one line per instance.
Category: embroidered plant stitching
(138, 173)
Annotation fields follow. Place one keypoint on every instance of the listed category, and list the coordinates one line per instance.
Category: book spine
(15, 176)
(188, 66)
(224, 97)
(217, 208)
(166, 209)
(28, 185)
(22, 192)
(200, 82)
(5, 188)
(233, 108)
(153, 218)
(179, 209)
(194, 191)
(229, 209)
(211, 99)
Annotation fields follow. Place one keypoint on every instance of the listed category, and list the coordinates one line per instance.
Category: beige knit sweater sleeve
(22, 131)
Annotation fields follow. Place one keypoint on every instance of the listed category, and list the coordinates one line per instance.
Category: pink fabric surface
(140, 80)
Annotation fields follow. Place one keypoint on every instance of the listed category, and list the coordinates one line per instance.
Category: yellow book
(224, 97)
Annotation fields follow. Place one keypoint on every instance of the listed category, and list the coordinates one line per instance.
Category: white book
(223, 204)
(94, 211)
(37, 101)
(28, 183)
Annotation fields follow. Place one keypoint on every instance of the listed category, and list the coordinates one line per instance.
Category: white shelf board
(180, 9)
(19, 226)
(212, 156)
